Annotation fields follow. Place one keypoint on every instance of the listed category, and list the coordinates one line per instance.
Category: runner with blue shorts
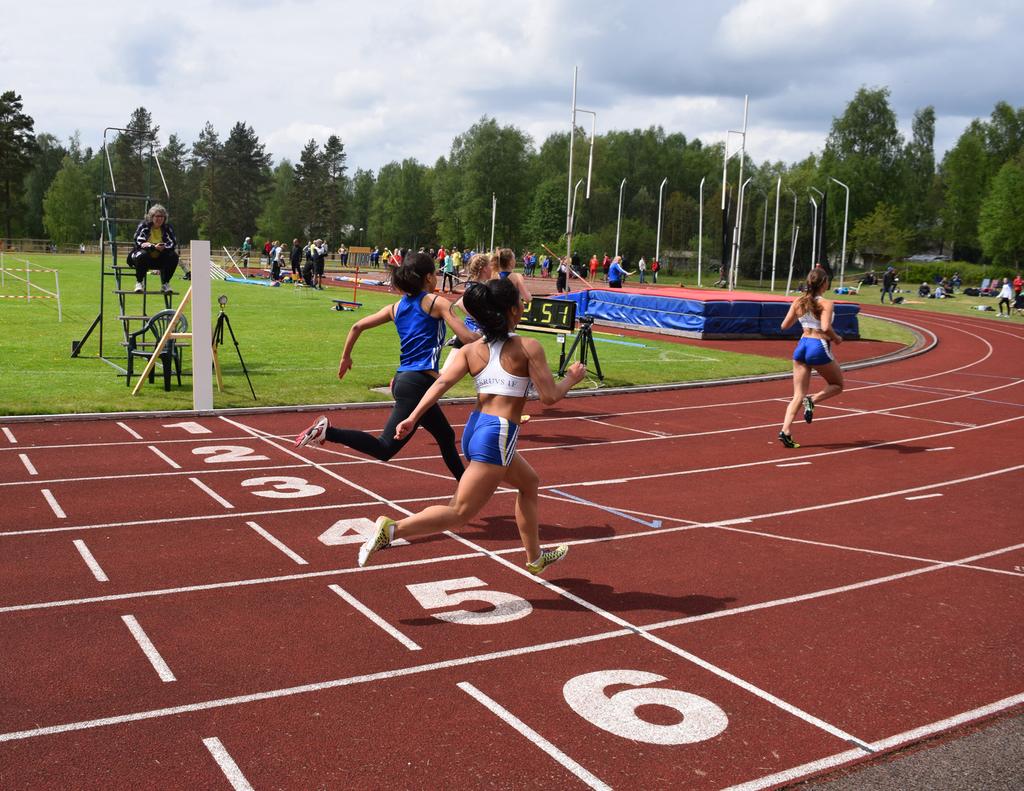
(814, 351)
(506, 368)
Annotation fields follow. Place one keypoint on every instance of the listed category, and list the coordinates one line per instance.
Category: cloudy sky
(398, 79)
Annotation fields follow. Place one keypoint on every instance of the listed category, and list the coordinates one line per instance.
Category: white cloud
(401, 79)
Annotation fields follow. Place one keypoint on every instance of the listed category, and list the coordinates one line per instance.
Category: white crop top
(809, 321)
(495, 380)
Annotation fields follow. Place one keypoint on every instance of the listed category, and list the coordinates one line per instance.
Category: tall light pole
(570, 200)
(700, 229)
(814, 231)
(764, 235)
(775, 236)
(738, 227)
(792, 257)
(572, 217)
(618, 224)
(734, 269)
(657, 244)
(846, 216)
(494, 215)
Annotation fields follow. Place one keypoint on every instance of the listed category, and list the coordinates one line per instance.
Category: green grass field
(291, 341)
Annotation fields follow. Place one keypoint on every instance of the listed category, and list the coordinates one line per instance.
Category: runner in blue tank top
(420, 318)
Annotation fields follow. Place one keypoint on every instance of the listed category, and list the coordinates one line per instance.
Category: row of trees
(227, 188)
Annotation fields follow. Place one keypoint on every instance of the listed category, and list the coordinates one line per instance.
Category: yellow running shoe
(379, 540)
(547, 558)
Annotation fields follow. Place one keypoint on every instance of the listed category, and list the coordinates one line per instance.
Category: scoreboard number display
(556, 314)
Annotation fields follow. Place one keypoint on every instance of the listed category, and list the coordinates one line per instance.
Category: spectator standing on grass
(1005, 295)
(320, 258)
(888, 283)
(154, 248)
(506, 369)
(1018, 285)
(616, 274)
(593, 267)
(343, 255)
(246, 250)
(641, 267)
(420, 317)
(814, 351)
(545, 266)
(266, 251)
(296, 259)
(375, 257)
(655, 268)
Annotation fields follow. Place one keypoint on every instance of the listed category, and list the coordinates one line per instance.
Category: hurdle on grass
(28, 269)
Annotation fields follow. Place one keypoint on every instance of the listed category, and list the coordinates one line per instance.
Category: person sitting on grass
(154, 248)
(924, 290)
(505, 368)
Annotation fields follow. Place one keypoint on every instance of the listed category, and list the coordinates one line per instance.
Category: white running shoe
(314, 435)
(139, 288)
(381, 539)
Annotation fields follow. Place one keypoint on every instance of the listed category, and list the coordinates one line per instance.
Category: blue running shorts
(813, 351)
(489, 439)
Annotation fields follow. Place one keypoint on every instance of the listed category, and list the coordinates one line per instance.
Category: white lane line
(645, 534)
(933, 450)
(157, 661)
(9, 435)
(924, 496)
(227, 764)
(52, 501)
(533, 737)
(916, 734)
(781, 778)
(794, 464)
(90, 561)
(722, 673)
(279, 544)
(391, 630)
(211, 492)
(938, 566)
(302, 689)
(624, 428)
(164, 456)
(131, 432)
(28, 464)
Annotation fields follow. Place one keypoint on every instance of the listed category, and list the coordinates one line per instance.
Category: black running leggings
(408, 388)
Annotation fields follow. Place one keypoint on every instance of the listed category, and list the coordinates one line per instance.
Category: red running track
(181, 607)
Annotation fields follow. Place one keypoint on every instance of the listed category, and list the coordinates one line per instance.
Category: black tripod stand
(584, 341)
(218, 339)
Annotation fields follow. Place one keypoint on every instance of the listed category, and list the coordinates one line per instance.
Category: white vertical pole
(846, 217)
(618, 224)
(593, 137)
(764, 234)
(700, 230)
(572, 141)
(814, 232)
(738, 232)
(775, 237)
(202, 332)
(657, 244)
(792, 256)
(494, 215)
(735, 264)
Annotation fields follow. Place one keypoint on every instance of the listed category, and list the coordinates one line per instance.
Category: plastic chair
(143, 342)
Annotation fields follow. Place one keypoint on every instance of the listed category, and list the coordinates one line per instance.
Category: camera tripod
(218, 339)
(584, 341)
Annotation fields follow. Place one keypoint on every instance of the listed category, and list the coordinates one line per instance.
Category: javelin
(568, 265)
